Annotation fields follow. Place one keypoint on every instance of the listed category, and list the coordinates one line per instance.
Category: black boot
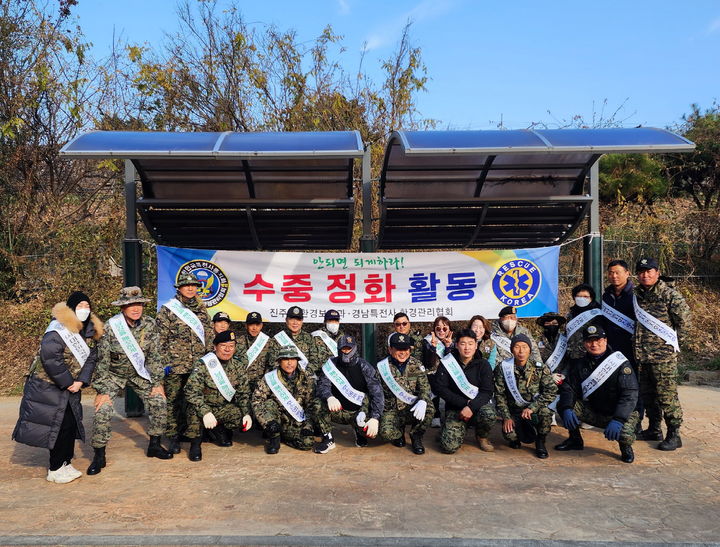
(540, 450)
(272, 446)
(399, 442)
(155, 449)
(360, 438)
(573, 442)
(195, 452)
(221, 436)
(652, 433)
(514, 444)
(98, 461)
(417, 442)
(626, 453)
(174, 445)
(672, 439)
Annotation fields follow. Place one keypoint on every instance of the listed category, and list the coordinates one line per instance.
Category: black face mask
(551, 330)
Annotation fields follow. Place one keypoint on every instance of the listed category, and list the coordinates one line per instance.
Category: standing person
(328, 336)
(662, 319)
(129, 355)
(505, 329)
(486, 346)
(617, 306)
(50, 410)
(402, 325)
(348, 392)
(523, 391)
(407, 395)
(221, 322)
(185, 335)
(435, 346)
(465, 383)
(254, 344)
(584, 311)
(294, 335)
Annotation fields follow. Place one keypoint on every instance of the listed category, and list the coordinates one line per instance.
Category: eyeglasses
(441, 328)
(403, 324)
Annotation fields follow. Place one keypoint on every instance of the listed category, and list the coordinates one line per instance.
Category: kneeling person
(348, 391)
(218, 395)
(601, 389)
(280, 400)
(465, 382)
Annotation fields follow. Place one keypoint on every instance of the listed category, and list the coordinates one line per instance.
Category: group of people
(605, 364)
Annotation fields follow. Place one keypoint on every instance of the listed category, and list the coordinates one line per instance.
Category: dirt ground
(372, 495)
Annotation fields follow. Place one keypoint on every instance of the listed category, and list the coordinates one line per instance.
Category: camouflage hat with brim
(288, 352)
(130, 295)
(188, 279)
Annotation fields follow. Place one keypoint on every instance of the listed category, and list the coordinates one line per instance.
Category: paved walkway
(370, 496)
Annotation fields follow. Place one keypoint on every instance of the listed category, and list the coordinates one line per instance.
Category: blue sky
(491, 61)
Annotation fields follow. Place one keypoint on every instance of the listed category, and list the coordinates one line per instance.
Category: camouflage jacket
(301, 387)
(535, 383)
(519, 329)
(112, 359)
(203, 394)
(258, 367)
(305, 342)
(664, 302)
(576, 348)
(324, 352)
(180, 348)
(414, 380)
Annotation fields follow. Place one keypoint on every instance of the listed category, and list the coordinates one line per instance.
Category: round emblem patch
(214, 281)
(517, 282)
(627, 370)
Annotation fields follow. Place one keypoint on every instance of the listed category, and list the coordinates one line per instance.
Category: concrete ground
(380, 495)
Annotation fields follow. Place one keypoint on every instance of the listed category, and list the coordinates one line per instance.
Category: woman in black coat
(50, 411)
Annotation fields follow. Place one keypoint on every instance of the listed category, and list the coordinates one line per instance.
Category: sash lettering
(618, 317)
(508, 369)
(127, 341)
(503, 342)
(73, 341)
(284, 396)
(219, 378)
(558, 353)
(458, 375)
(654, 325)
(285, 340)
(340, 382)
(439, 347)
(576, 324)
(329, 342)
(602, 373)
(188, 317)
(392, 384)
(257, 347)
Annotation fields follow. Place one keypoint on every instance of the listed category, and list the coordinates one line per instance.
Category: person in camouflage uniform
(180, 348)
(253, 334)
(332, 406)
(206, 402)
(656, 360)
(529, 421)
(331, 329)
(221, 322)
(409, 374)
(277, 422)
(461, 409)
(304, 341)
(115, 371)
(504, 329)
(402, 325)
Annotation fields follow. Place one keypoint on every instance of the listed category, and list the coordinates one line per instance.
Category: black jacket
(478, 373)
(620, 339)
(616, 397)
(363, 377)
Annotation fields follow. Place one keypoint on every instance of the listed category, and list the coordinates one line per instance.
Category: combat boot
(223, 436)
(272, 446)
(672, 439)
(195, 452)
(652, 433)
(626, 453)
(174, 445)
(485, 444)
(98, 461)
(540, 450)
(417, 442)
(399, 442)
(573, 442)
(155, 449)
(360, 438)
(514, 444)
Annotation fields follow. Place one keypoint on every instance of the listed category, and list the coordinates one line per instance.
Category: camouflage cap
(187, 279)
(130, 295)
(288, 352)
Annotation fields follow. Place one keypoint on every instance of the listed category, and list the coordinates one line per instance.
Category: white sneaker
(436, 423)
(71, 471)
(59, 476)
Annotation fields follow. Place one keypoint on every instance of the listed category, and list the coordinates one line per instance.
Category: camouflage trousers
(658, 391)
(228, 415)
(393, 422)
(324, 418)
(453, 432)
(292, 433)
(177, 407)
(589, 416)
(154, 404)
(541, 420)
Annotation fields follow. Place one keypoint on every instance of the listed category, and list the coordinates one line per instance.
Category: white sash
(502, 341)
(75, 342)
(340, 382)
(458, 375)
(656, 326)
(558, 353)
(127, 341)
(390, 381)
(219, 378)
(282, 394)
(439, 347)
(188, 317)
(329, 342)
(257, 347)
(618, 317)
(602, 373)
(285, 340)
(576, 324)
(508, 366)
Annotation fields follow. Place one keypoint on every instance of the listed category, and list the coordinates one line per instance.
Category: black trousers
(64, 449)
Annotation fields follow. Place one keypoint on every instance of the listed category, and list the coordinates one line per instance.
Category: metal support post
(367, 245)
(592, 245)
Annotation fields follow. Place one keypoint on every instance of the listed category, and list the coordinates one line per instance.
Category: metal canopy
(497, 189)
(269, 191)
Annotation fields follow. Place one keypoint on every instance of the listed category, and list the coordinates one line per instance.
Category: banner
(367, 287)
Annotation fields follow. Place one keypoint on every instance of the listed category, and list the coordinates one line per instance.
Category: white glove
(418, 410)
(360, 419)
(371, 429)
(334, 404)
(209, 420)
(247, 422)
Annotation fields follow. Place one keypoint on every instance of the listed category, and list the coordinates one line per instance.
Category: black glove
(273, 428)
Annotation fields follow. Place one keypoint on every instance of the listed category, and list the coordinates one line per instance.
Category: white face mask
(508, 325)
(82, 313)
(333, 327)
(582, 301)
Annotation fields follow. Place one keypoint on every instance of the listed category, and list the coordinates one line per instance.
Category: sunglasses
(403, 324)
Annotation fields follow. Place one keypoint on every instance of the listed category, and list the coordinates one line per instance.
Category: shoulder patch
(627, 370)
(538, 364)
(422, 368)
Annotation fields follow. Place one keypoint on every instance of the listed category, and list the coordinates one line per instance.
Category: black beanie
(75, 298)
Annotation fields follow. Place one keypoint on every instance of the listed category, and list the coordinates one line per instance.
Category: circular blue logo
(517, 282)
(214, 281)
